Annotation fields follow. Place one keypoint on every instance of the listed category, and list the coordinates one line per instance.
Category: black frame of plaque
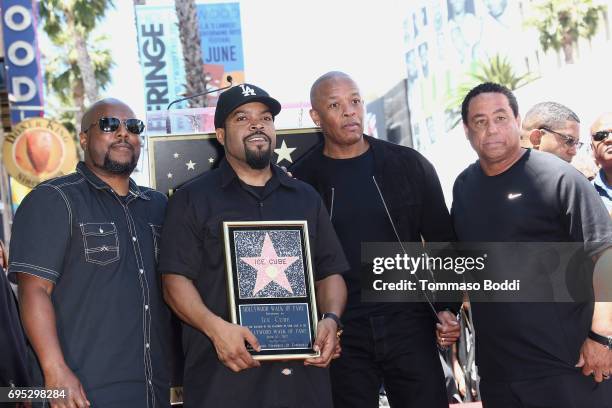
(233, 290)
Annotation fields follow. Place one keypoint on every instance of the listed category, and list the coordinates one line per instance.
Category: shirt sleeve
(436, 222)
(329, 257)
(584, 213)
(41, 234)
(181, 240)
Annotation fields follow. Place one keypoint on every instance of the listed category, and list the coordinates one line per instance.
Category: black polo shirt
(99, 250)
(193, 246)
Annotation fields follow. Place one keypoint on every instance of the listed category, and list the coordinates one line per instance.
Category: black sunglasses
(111, 124)
(569, 141)
(601, 135)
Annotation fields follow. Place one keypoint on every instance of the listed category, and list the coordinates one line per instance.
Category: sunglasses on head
(601, 135)
(111, 124)
(569, 141)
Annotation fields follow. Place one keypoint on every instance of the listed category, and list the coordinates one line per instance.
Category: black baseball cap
(239, 95)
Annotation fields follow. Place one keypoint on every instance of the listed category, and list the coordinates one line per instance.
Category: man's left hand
(595, 359)
(326, 342)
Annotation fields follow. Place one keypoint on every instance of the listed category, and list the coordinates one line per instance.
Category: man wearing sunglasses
(601, 143)
(83, 252)
(553, 128)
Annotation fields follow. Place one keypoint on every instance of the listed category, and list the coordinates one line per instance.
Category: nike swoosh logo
(513, 196)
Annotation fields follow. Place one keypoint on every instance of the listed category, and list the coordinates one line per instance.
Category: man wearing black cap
(219, 371)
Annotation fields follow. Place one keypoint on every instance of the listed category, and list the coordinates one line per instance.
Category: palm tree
(561, 23)
(76, 19)
(64, 80)
(497, 69)
(192, 50)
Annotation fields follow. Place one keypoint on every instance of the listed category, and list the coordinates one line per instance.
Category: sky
(287, 45)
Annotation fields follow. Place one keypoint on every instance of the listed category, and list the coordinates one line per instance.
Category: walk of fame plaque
(271, 287)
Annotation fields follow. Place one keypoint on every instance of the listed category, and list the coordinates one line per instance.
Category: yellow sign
(38, 149)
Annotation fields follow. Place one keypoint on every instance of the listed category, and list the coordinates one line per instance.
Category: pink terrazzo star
(270, 267)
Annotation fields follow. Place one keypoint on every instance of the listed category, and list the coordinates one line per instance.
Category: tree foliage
(560, 23)
(497, 69)
(80, 65)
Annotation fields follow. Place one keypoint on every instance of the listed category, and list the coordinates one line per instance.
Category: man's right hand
(229, 340)
(61, 377)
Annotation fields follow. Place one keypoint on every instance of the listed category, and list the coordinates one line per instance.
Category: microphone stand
(169, 125)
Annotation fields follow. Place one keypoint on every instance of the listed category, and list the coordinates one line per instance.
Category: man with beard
(219, 371)
(83, 252)
(398, 189)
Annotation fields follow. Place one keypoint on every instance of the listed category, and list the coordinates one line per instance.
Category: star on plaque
(270, 267)
(284, 153)
(211, 160)
(190, 165)
(169, 175)
(176, 155)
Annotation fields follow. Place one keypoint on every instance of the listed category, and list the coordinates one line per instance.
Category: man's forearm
(38, 317)
(602, 288)
(182, 296)
(331, 294)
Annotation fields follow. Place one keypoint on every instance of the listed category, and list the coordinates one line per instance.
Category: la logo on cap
(247, 90)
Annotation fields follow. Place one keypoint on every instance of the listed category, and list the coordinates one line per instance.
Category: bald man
(398, 189)
(83, 252)
(601, 143)
(553, 128)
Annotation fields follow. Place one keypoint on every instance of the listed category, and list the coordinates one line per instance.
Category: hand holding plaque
(271, 288)
(326, 342)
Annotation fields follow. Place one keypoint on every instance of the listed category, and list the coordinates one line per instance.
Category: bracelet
(604, 340)
(334, 317)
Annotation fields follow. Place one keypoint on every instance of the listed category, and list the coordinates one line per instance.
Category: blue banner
(161, 55)
(22, 59)
(221, 35)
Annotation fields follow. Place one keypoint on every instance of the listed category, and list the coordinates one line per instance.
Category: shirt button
(134, 239)
(147, 345)
(141, 271)
(150, 382)
(287, 371)
(146, 307)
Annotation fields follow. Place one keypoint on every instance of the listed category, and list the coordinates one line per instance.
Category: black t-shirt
(193, 246)
(356, 202)
(539, 199)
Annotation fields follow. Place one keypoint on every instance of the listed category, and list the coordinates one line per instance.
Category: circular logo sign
(38, 149)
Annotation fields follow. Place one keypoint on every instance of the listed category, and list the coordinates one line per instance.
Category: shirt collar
(600, 182)
(95, 181)
(279, 176)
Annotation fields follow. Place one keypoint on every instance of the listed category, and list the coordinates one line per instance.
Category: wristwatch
(605, 340)
(335, 318)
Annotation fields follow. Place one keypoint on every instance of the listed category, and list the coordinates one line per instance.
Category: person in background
(553, 128)
(13, 364)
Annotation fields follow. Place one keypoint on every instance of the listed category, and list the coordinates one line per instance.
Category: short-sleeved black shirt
(192, 245)
(539, 199)
(99, 250)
